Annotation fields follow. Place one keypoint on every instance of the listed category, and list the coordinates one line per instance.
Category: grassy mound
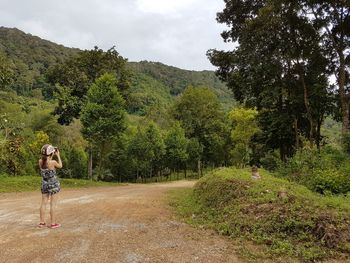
(286, 219)
(33, 183)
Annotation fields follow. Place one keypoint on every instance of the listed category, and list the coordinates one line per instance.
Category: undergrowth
(281, 220)
(326, 171)
(33, 183)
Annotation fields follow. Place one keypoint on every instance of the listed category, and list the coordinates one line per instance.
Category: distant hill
(31, 56)
(32, 50)
(153, 83)
(178, 79)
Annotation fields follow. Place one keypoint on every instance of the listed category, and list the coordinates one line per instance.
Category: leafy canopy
(103, 115)
(74, 76)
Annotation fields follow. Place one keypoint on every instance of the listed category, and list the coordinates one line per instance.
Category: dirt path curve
(128, 224)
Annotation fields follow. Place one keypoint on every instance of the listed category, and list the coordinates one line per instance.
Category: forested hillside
(152, 83)
(125, 119)
(30, 57)
(178, 79)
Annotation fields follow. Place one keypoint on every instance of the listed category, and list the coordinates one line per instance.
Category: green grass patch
(171, 177)
(33, 183)
(274, 219)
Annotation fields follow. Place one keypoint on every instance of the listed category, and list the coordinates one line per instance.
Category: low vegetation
(274, 218)
(32, 183)
(326, 171)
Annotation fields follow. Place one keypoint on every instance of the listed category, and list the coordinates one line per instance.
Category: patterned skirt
(49, 184)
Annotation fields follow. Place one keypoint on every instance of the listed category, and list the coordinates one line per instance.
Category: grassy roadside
(32, 183)
(299, 227)
(171, 178)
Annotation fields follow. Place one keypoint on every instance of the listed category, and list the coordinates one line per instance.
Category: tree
(44, 121)
(278, 67)
(119, 160)
(176, 147)
(198, 111)
(6, 72)
(40, 139)
(195, 153)
(74, 76)
(103, 115)
(332, 21)
(155, 147)
(244, 127)
(75, 159)
(139, 153)
(147, 150)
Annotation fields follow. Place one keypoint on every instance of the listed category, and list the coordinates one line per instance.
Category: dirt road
(128, 224)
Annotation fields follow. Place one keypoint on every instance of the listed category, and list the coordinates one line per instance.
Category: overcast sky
(174, 32)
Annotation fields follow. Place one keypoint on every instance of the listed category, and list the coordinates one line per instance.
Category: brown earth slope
(116, 224)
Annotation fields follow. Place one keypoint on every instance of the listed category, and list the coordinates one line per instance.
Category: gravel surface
(128, 224)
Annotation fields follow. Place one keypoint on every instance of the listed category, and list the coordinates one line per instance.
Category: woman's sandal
(55, 225)
(41, 224)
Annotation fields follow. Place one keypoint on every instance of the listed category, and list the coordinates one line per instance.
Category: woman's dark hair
(44, 160)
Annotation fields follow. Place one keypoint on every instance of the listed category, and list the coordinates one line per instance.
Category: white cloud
(173, 32)
(163, 6)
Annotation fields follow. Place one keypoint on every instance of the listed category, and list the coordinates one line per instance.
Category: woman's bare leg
(44, 199)
(53, 204)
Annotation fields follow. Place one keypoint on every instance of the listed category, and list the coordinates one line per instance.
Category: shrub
(324, 172)
(329, 181)
(270, 161)
(346, 142)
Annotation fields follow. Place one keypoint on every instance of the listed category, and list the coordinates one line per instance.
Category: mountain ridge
(32, 56)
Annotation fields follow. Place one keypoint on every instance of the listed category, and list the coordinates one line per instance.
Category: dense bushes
(325, 171)
(146, 149)
(346, 142)
(23, 130)
(297, 224)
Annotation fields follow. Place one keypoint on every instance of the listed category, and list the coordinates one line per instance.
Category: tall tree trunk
(281, 143)
(282, 152)
(339, 45)
(90, 163)
(344, 98)
(199, 167)
(101, 162)
(307, 105)
(297, 145)
(318, 133)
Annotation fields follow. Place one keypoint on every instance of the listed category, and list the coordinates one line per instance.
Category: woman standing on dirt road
(50, 186)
